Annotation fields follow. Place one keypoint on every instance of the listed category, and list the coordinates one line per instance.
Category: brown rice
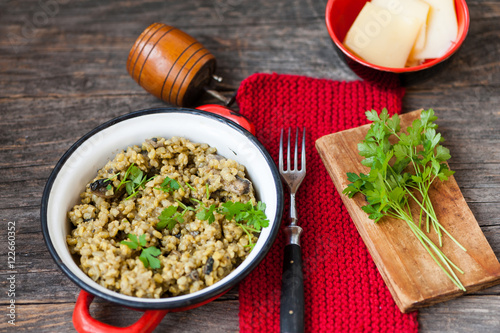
(194, 254)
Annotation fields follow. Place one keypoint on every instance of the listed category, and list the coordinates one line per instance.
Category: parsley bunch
(404, 171)
(148, 254)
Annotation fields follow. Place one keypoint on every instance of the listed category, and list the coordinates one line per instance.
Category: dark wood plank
(463, 316)
(46, 317)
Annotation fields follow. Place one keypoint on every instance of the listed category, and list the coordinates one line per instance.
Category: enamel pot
(217, 126)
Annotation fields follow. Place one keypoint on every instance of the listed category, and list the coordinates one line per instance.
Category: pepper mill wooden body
(170, 64)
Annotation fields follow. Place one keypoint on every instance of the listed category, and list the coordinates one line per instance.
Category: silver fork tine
(288, 151)
(281, 152)
(295, 165)
(303, 168)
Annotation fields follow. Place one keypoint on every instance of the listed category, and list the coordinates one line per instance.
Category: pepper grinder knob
(171, 65)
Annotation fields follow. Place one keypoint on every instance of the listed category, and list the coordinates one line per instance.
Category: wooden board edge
(409, 307)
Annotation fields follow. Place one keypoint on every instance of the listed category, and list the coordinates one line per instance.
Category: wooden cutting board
(411, 275)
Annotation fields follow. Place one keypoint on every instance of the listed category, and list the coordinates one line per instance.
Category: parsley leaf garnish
(248, 217)
(134, 243)
(254, 216)
(169, 185)
(134, 179)
(148, 255)
(207, 214)
(169, 217)
(404, 171)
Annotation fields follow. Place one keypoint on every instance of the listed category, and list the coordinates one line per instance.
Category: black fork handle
(292, 289)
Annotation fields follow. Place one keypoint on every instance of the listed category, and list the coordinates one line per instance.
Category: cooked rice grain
(195, 254)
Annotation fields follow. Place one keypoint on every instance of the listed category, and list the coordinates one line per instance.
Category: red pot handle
(229, 114)
(84, 323)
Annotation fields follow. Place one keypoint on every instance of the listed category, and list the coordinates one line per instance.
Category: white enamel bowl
(80, 163)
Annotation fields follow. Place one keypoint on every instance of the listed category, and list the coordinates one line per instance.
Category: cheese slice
(382, 38)
(442, 30)
(411, 8)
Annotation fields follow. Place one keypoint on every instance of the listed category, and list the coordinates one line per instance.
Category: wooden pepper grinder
(173, 66)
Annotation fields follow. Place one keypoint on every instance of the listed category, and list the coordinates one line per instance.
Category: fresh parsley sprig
(169, 185)
(251, 219)
(134, 179)
(148, 255)
(207, 213)
(169, 216)
(248, 217)
(253, 216)
(404, 171)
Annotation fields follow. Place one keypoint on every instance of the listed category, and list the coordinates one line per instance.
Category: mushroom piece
(99, 188)
(238, 186)
(194, 275)
(209, 266)
(154, 143)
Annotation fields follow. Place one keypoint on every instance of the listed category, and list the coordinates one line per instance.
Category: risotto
(165, 219)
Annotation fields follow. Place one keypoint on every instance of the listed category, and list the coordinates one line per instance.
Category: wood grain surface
(63, 72)
(412, 276)
(170, 64)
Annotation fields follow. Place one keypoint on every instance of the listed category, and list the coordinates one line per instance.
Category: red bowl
(340, 15)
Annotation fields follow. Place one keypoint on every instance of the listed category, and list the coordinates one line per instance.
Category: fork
(292, 288)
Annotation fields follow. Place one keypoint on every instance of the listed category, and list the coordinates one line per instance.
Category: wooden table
(62, 72)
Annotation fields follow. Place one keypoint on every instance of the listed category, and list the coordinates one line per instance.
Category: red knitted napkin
(343, 290)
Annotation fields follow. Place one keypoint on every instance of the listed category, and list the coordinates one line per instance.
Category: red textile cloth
(343, 290)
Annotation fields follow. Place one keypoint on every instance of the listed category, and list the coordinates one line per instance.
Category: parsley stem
(196, 200)
(249, 235)
(248, 228)
(442, 258)
(114, 176)
(443, 261)
(433, 218)
(183, 206)
(191, 188)
(124, 179)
